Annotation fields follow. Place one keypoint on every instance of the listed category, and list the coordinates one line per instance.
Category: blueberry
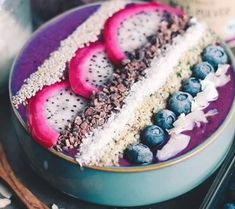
(153, 136)
(138, 154)
(201, 70)
(180, 102)
(192, 86)
(164, 118)
(215, 55)
(229, 206)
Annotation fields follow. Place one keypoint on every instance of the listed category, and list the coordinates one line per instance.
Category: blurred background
(43, 10)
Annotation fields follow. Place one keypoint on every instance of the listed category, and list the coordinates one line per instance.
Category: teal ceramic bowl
(117, 186)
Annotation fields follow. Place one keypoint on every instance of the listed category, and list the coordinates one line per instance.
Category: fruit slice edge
(115, 53)
(39, 128)
(79, 66)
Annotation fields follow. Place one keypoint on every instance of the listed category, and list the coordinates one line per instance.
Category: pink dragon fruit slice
(51, 110)
(129, 28)
(89, 69)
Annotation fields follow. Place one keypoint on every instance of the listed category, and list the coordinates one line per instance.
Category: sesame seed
(109, 155)
(52, 69)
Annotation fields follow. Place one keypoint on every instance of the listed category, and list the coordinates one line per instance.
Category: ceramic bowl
(117, 186)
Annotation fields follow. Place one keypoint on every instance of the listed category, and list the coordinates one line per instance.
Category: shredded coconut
(152, 104)
(51, 71)
(94, 145)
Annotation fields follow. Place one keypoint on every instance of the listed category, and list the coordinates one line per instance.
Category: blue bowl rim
(122, 169)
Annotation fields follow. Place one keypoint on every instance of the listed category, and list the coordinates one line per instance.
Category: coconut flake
(176, 144)
(183, 123)
(95, 144)
(4, 191)
(4, 202)
(209, 92)
(211, 113)
(197, 116)
(220, 77)
(187, 122)
(54, 206)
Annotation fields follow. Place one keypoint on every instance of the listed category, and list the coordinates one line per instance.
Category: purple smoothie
(47, 39)
(223, 105)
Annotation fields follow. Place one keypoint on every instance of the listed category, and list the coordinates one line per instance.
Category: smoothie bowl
(124, 103)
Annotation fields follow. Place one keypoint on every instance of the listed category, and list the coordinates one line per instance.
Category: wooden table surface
(49, 195)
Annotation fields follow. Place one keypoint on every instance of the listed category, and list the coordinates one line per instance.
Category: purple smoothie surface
(43, 42)
(47, 39)
(222, 104)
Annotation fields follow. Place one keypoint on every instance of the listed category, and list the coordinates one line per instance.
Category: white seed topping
(52, 70)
